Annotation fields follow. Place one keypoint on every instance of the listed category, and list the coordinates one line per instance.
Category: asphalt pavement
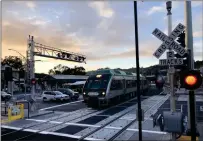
(30, 136)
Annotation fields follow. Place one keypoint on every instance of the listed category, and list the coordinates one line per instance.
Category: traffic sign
(168, 41)
(164, 62)
(170, 55)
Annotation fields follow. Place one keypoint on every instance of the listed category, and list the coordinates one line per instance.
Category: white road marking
(97, 126)
(83, 125)
(56, 122)
(68, 135)
(60, 105)
(147, 131)
(31, 130)
(11, 127)
(37, 120)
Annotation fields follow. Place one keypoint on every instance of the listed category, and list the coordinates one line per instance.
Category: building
(54, 81)
(15, 74)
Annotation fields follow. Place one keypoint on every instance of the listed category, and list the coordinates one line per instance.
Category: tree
(16, 63)
(198, 64)
(59, 69)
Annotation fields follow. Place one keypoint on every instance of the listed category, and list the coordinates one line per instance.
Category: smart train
(103, 86)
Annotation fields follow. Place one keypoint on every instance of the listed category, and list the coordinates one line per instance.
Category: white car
(5, 96)
(54, 95)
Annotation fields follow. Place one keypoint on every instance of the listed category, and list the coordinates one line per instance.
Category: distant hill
(152, 69)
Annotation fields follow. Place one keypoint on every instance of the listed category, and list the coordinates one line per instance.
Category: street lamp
(18, 53)
(25, 66)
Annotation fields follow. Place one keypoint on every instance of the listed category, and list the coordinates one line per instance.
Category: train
(104, 86)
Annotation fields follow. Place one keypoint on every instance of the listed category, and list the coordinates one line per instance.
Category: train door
(124, 86)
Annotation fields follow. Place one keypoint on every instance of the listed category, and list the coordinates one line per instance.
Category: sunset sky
(103, 31)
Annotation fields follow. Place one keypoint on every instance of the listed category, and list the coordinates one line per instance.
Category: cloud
(198, 49)
(198, 34)
(162, 8)
(198, 26)
(15, 13)
(197, 3)
(198, 44)
(147, 49)
(31, 5)
(5, 23)
(155, 9)
(176, 4)
(56, 13)
(102, 8)
(15, 32)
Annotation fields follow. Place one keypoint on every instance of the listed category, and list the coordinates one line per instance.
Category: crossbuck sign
(169, 43)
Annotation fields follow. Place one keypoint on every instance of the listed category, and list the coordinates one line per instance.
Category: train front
(95, 89)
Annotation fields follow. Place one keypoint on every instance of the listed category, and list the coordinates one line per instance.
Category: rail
(57, 124)
(83, 137)
(133, 121)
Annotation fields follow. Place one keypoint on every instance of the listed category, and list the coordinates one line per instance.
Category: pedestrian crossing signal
(33, 81)
(191, 80)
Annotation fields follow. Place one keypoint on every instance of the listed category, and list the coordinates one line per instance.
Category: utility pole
(138, 72)
(32, 65)
(171, 68)
(189, 46)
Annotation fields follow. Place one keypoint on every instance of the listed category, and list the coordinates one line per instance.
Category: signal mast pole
(138, 72)
(171, 68)
(191, 99)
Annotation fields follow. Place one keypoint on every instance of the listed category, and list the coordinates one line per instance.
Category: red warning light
(33, 81)
(191, 80)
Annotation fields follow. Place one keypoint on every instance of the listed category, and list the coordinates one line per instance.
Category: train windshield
(97, 82)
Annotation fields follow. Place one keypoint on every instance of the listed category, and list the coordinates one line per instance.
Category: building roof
(3, 67)
(78, 83)
(65, 77)
(114, 72)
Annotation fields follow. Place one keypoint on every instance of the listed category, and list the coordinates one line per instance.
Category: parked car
(54, 95)
(73, 95)
(5, 96)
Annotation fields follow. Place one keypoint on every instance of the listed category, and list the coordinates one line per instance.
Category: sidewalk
(186, 92)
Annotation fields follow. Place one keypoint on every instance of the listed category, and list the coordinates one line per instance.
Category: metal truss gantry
(51, 52)
(37, 49)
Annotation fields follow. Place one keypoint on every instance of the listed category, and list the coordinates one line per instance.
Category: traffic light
(33, 81)
(8, 74)
(181, 41)
(191, 79)
(159, 82)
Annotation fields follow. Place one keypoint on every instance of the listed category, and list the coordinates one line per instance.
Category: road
(73, 120)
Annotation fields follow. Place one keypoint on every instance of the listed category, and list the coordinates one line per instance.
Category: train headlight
(84, 93)
(103, 93)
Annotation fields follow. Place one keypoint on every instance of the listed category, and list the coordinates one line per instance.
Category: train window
(116, 85)
(119, 84)
(124, 84)
(96, 84)
(113, 85)
(134, 83)
(129, 83)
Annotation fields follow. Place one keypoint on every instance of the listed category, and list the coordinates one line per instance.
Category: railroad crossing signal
(169, 43)
(181, 40)
(191, 80)
(33, 81)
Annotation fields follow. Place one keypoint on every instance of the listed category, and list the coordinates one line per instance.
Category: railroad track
(123, 128)
(88, 114)
(57, 118)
